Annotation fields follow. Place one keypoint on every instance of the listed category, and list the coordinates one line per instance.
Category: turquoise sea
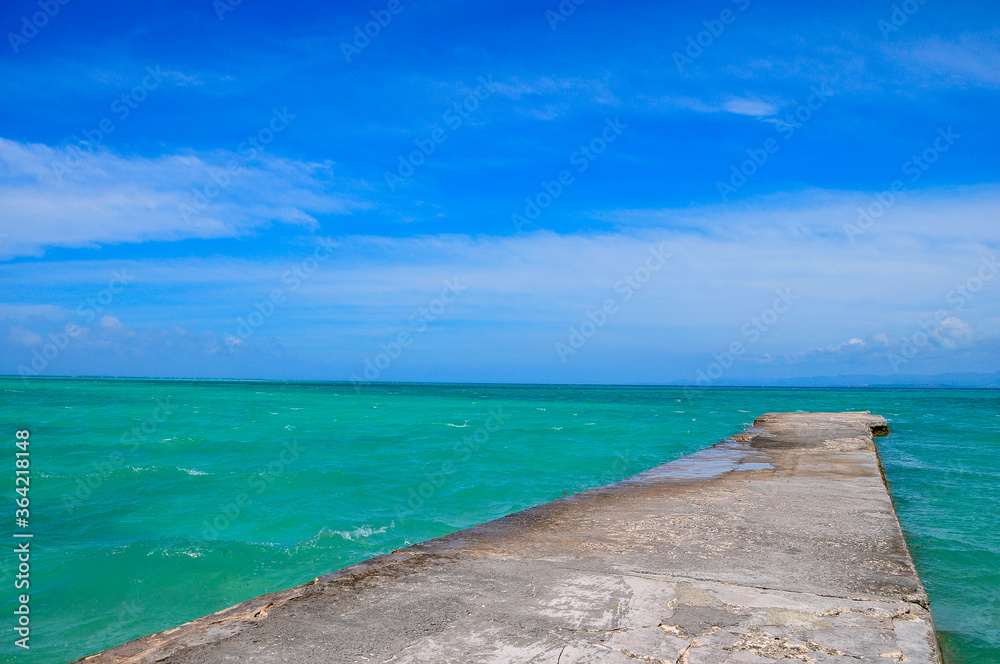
(154, 502)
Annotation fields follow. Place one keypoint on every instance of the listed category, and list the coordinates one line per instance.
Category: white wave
(168, 552)
(358, 533)
(143, 469)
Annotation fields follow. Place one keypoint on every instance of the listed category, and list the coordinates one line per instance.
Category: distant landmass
(969, 379)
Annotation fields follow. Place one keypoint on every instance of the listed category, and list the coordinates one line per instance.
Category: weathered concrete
(778, 544)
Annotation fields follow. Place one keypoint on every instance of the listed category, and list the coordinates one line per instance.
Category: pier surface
(778, 544)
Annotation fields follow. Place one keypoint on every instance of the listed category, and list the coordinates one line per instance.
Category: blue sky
(533, 191)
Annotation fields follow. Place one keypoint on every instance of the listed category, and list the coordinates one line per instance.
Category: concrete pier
(778, 544)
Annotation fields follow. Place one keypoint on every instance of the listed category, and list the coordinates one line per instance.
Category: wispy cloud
(64, 197)
(597, 90)
(969, 60)
(752, 107)
(547, 97)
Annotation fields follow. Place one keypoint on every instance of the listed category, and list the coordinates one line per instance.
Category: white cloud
(752, 107)
(48, 198)
(953, 333)
(738, 105)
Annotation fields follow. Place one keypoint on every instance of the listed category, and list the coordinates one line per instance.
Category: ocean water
(155, 502)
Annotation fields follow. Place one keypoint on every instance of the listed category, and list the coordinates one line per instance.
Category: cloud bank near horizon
(787, 284)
